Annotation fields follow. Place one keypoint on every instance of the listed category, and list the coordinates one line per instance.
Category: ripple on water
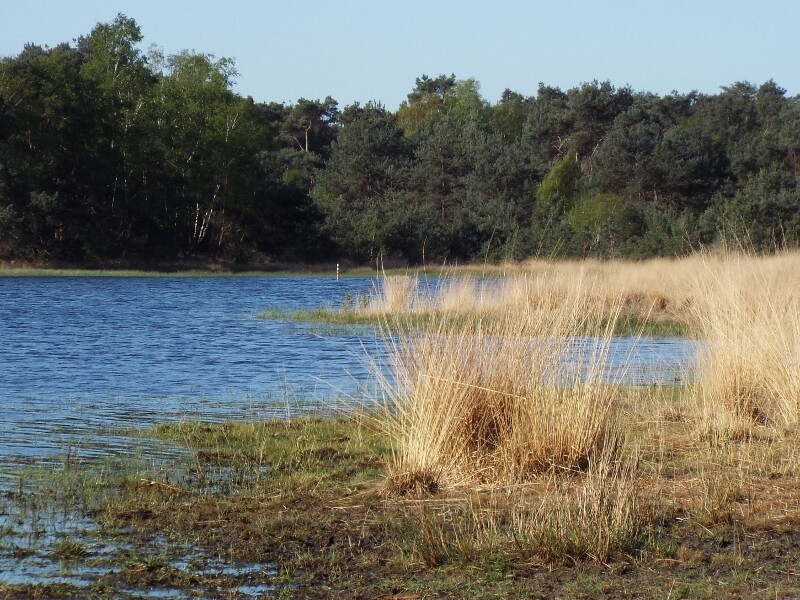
(84, 357)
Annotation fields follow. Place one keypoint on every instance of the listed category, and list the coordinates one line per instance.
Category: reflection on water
(83, 357)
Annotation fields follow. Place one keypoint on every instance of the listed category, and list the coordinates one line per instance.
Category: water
(82, 358)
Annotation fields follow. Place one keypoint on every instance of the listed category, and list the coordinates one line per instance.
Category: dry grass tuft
(749, 315)
(594, 515)
(653, 290)
(602, 514)
(411, 483)
(504, 400)
(396, 294)
(503, 397)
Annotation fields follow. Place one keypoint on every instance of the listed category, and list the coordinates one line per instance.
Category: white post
(337, 271)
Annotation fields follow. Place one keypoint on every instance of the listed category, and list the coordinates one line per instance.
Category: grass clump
(749, 318)
(69, 550)
(520, 407)
(503, 401)
(601, 515)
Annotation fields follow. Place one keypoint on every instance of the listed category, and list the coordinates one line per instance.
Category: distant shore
(223, 268)
(186, 268)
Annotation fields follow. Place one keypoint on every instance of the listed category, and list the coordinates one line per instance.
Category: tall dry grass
(601, 514)
(396, 294)
(595, 515)
(487, 403)
(747, 310)
(502, 400)
(520, 411)
(654, 290)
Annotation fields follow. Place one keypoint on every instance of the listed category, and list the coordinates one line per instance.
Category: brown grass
(499, 401)
(747, 310)
(492, 405)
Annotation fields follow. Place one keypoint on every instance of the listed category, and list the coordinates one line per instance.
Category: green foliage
(765, 214)
(108, 153)
(508, 115)
(604, 221)
(357, 191)
(595, 211)
(561, 183)
(444, 94)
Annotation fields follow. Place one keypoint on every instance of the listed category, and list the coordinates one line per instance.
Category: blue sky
(358, 50)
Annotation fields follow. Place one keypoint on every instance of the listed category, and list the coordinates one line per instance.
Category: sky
(357, 50)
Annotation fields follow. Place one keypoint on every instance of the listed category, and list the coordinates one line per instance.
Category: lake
(83, 357)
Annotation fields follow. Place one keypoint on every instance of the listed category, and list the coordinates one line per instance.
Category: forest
(113, 154)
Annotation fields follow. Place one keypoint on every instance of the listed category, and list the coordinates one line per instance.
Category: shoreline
(310, 497)
(223, 269)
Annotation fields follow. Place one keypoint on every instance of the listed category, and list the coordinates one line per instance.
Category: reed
(396, 294)
(656, 299)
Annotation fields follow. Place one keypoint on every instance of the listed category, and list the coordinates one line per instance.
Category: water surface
(85, 354)
(83, 357)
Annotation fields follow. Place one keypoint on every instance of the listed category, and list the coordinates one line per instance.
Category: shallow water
(83, 357)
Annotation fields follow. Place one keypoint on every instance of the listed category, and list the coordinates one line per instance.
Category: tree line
(110, 153)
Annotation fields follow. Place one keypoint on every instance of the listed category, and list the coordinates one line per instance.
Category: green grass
(69, 550)
(627, 324)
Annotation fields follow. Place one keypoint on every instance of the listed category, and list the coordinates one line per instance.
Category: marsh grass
(518, 406)
(593, 516)
(502, 401)
(404, 302)
(602, 514)
(496, 467)
(748, 313)
(69, 550)
(306, 499)
(650, 291)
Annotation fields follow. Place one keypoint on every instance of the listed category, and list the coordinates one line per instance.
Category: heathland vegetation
(500, 459)
(113, 155)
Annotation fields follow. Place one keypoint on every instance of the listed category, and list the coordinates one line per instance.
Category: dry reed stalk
(651, 289)
(397, 294)
(661, 284)
(457, 296)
